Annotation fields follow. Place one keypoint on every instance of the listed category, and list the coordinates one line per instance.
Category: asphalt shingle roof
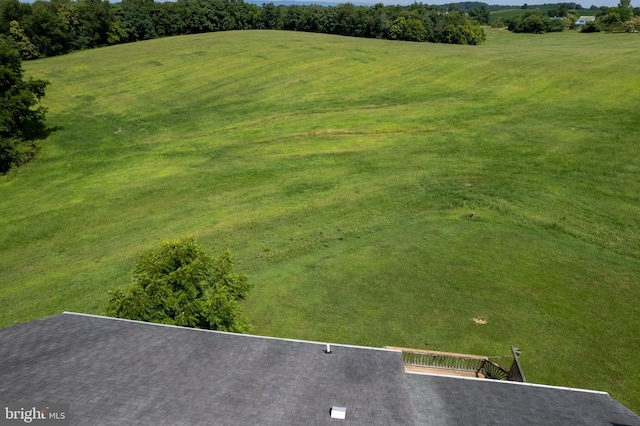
(118, 372)
(458, 401)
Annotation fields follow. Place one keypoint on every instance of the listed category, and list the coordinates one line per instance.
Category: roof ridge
(313, 342)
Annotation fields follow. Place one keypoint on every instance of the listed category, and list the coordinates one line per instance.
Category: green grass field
(342, 174)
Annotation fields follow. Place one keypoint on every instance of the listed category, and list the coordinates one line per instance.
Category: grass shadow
(36, 130)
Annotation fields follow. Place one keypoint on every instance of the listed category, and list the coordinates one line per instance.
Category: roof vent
(338, 412)
(328, 350)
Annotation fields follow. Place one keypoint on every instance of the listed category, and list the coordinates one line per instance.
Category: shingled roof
(120, 372)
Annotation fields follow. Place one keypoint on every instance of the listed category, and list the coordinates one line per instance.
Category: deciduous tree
(532, 21)
(180, 284)
(626, 11)
(26, 48)
(480, 14)
(20, 112)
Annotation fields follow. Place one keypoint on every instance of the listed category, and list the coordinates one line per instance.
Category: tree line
(49, 28)
(622, 18)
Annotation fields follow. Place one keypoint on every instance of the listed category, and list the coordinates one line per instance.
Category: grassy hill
(343, 174)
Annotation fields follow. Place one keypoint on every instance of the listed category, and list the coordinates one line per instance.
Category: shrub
(532, 21)
(180, 284)
(632, 25)
(590, 27)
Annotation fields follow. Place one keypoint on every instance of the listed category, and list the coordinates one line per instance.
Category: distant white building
(583, 20)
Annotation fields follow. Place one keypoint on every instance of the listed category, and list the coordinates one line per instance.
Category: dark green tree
(21, 116)
(454, 28)
(590, 27)
(12, 10)
(626, 11)
(53, 26)
(346, 19)
(532, 21)
(610, 19)
(244, 16)
(407, 29)
(396, 30)
(95, 18)
(180, 284)
(563, 10)
(166, 18)
(269, 17)
(415, 30)
(480, 14)
(292, 17)
(134, 18)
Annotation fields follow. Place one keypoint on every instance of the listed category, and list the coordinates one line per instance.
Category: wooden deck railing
(480, 365)
(443, 360)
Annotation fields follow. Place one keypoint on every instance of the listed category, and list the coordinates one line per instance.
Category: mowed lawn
(376, 192)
